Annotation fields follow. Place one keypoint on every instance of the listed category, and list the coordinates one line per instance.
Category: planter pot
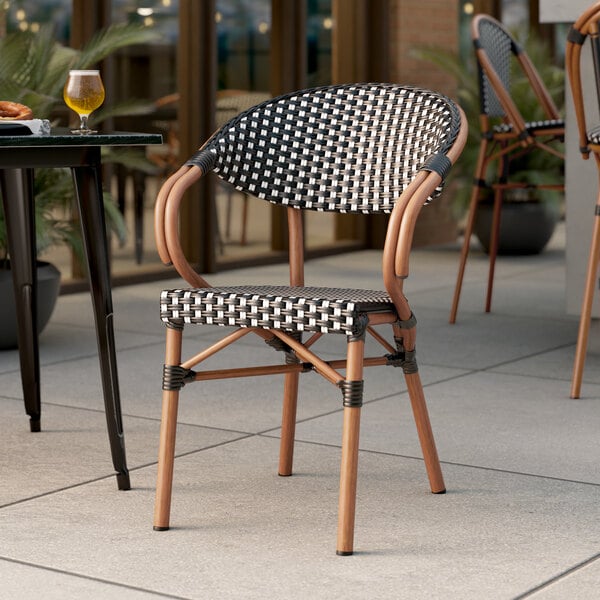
(47, 293)
(525, 227)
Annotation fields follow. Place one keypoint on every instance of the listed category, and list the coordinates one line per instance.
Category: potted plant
(528, 216)
(33, 70)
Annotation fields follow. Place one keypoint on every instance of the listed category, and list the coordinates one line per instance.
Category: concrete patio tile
(239, 531)
(580, 584)
(73, 448)
(487, 340)
(557, 364)
(59, 343)
(528, 427)
(27, 581)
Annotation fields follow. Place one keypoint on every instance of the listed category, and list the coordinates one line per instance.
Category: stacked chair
(362, 148)
(586, 26)
(506, 135)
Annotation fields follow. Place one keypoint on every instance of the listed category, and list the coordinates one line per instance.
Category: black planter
(47, 293)
(525, 227)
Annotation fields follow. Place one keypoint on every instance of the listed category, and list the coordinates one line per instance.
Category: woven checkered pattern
(594, 135)
(533, 127)
(325, 310)
(350, 148)
(499, 47)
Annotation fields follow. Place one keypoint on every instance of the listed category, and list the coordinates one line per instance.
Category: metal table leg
(88, 188)
(17, 197)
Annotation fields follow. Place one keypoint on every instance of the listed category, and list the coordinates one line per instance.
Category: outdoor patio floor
(520, 459)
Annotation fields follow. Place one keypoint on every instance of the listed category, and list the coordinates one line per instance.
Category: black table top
(64, 137)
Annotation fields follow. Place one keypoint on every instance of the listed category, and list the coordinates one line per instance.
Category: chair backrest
(587, 25)
(342, 148)
(496, 49)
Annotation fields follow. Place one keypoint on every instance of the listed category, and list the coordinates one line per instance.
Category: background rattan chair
(505, 134)
(363, 148)
(588, 25)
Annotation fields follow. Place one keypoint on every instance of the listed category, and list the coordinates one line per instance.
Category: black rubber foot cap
(442, 492)
(123, 481)
(284, 474)
(35, 425)
(340, 553)
(160, 528)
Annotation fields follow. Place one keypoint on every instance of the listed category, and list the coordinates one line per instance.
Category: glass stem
(83, 126)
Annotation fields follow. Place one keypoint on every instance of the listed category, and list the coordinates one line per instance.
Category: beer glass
(83, 93)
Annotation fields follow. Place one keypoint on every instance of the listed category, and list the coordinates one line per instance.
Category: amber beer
(84, 91)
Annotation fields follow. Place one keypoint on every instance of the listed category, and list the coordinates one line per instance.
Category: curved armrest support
(159, 215)
(399, 236)
(166, 222)
(171, 226)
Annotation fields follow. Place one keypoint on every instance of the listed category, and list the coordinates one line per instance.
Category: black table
(19, 156)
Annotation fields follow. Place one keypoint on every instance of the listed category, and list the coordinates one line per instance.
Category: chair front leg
(168, 430)
(353, 399)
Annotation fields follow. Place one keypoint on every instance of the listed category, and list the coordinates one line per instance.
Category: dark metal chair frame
(505, 134)
(586, 27)
(362, 148)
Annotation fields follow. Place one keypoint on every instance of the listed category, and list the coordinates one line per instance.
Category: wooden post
(196, 82)
(361, 53)
(288, 73)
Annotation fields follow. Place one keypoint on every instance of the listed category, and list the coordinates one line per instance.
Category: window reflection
(29, 15)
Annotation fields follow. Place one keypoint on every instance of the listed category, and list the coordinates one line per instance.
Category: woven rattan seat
(585, 32)
(361, 148)
(326, 310)
(506, 137)
(593, 135)
(532, 127)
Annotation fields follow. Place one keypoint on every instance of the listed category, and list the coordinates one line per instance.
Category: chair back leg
(288, 424)
(586, 306)
(421, 415)
(494, 240)
(470, 225)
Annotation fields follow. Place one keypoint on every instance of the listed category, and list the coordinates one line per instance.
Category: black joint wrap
(353, 393)
(405, 359)
(175, 377)
(438, 163)
(359, 329)
(205, 159)
(575, 36)
(408, 323)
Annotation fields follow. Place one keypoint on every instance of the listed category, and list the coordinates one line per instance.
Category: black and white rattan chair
(586, 26)
(505, 134)
(363, 148)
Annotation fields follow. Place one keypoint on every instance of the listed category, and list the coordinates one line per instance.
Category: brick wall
(417, 23)
(426, 23)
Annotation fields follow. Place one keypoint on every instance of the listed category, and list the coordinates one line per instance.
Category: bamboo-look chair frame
(586, 26)
(404, 205)
(504, 141)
